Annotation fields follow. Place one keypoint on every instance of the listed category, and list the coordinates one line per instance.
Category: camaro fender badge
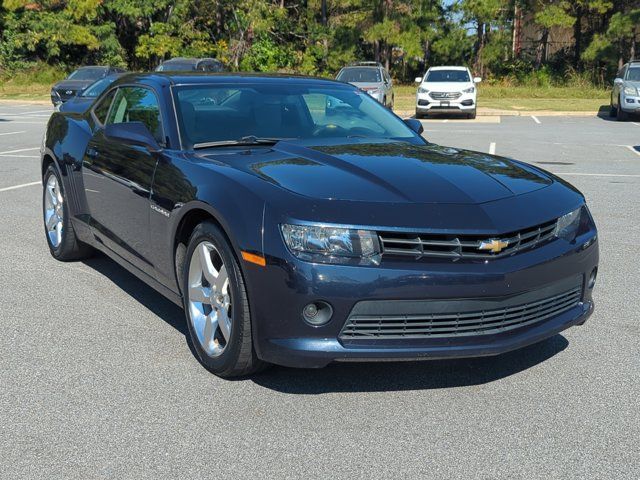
(69, 92)
(493, 245)
(160, 210)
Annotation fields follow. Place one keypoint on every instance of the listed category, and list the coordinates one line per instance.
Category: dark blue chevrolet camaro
(299, 222)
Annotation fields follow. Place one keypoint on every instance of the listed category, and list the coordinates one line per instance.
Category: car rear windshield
(448, 76)
(633, 74)
(360, 75)
(225, 112)
(88, 74)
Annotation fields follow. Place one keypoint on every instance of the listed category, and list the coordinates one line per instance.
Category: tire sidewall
(228, 358)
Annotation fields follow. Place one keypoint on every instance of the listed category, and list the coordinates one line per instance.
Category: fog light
(592, 277)
(317, 313)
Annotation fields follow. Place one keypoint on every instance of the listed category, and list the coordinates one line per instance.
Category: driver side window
(137, 104)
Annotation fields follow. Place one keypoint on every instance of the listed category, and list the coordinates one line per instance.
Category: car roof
(452, 67)
(195, 78)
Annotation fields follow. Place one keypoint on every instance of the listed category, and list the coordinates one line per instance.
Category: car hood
(77, 104)
(394, 172)
(633, 83)
(73, 84)
(446, 86)
(366, 85)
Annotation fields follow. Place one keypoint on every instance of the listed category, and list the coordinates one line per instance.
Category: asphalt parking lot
(97, 380)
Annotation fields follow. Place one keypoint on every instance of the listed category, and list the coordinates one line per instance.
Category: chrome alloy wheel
(53, 211)
(209, 303)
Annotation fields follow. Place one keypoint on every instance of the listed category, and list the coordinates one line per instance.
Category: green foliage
(292, 35)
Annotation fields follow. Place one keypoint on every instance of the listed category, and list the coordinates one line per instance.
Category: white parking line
(19, 156)
(13, 114)
(12, 133)
(636, 124)
(15, 187)
(535, 119)
(492, 148)
(633, 149)
(20, 150)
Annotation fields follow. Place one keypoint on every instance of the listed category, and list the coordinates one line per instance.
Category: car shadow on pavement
(399, 376)
(140, 291)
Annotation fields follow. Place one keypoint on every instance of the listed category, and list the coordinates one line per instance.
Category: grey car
(625, 95)
(182, 64)
(370, 77)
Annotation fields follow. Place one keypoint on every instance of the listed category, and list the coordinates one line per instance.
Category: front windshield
(360, 75)
(96, 88)
(87, 74)
(633, 74)
(224, 112)
(447, 76)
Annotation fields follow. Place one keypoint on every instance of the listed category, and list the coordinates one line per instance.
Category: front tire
(472, 115)
(621, 114)
(216, 305)
(61, 237)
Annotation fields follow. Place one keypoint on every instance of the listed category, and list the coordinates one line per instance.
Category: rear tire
(216, 305)
(58, 228)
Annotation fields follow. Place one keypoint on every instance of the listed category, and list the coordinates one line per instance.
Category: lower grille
(479, 322)
(464, 246)
(445, 95)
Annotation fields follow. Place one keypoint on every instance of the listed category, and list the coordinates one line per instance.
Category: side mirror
(418, 80)
(415, 125)
(618, 81)
(135, 133)
(477, 79)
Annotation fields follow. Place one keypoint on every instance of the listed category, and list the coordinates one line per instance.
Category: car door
(117, 177)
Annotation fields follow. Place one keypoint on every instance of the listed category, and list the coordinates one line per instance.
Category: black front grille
(456, 324)
(464, 246)
(64, 96)
(445, 95)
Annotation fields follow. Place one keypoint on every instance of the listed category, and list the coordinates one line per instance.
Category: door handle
(92, 152)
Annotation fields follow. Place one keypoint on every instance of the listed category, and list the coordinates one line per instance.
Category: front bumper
(630, 104)
(279, 292)
(465, 103)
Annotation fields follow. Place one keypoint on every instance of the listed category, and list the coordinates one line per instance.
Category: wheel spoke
(209, 271)
(224, 323)
(200, 294)
(210, 326)
(59, 233)
(52, 196)
(52, 221)
(221, 280)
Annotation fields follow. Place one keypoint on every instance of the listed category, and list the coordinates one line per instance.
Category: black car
(299, 238)
(78, 81)
(85, 98)
(181, 64)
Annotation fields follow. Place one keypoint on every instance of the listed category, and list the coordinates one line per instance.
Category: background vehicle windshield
(448, 76)
(96, 88)
(87, 74)
(215, 113)
(176, 67)
(633, 74)
(361, 75)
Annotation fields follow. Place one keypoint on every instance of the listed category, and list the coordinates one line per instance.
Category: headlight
(469, 90)
(630, 91)
(326, 244)
(422, 90)
(574, 224)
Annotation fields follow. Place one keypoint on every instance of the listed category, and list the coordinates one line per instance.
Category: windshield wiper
(242, 142)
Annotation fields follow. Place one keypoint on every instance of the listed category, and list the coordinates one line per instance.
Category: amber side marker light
(253, 258)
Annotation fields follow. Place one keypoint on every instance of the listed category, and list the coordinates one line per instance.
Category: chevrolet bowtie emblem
(493, 245)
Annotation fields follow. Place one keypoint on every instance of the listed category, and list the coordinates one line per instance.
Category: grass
(32, 83)
(578, 99)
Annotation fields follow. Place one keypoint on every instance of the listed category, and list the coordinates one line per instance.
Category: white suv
(447, 90)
